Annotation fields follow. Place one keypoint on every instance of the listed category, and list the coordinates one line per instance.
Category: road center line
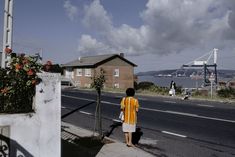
(189, 114)
(171, 133)
(116, 120)
(181, 113)
(107, 102)
(172, 102)
(162, 111)
(73, 97)
(85, 112)
(204, 105)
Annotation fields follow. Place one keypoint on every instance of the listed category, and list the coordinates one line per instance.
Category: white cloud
(70, 9)
(88, 46)
(96, 17)
(169, 26)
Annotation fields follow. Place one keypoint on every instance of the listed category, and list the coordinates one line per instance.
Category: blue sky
(154, 34)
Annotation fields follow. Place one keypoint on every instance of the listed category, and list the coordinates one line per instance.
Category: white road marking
(171, 133)
(217, 119)
(116, 120)
(107, 102)
(172, 102)
(162, 111)
(204, 105)
(181, 113)
(85, 112)
(189, 114)
(77, 98)
(63, 107)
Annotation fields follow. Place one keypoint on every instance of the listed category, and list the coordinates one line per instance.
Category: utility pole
(7, 32)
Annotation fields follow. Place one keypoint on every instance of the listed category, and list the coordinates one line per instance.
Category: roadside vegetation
(227, 93)
(152, 89)
(149, 87)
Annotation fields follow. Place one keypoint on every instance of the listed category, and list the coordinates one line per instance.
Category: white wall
(38, 134)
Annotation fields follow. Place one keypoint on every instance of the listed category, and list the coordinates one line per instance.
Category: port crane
(207, 61)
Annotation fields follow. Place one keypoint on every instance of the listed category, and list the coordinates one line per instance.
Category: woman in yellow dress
(130, 107)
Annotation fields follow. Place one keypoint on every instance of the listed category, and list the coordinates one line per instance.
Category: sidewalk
(111, 148)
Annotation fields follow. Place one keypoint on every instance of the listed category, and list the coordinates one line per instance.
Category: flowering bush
(17, 84)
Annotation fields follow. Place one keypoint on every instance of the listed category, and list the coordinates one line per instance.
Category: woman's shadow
(136, 136)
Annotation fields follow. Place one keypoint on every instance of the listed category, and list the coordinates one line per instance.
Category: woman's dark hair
(130, 92)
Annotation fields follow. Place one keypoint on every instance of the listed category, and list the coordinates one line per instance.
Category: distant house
(222, 85)
(119, 72)
(226, 84)
(231, 84)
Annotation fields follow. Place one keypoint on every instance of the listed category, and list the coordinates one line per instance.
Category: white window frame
(116, 72)
(69, 73)
(88, 72)
(116, 85)
(79, 72)
(87, 85)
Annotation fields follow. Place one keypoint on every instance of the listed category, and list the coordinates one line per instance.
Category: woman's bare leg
(126, 137)
(130, 139)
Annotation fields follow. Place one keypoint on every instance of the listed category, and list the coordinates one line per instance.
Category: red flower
(30, 72)
(34, 82)
(4, 90)
(25, 61)
(18, 67)
(8, 50)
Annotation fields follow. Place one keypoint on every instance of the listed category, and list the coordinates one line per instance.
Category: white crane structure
(207, 60)
(7, 32)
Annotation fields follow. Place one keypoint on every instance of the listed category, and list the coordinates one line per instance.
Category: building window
(87, 85)
(88, 72)
(116, 85)
(79, 72)
(69, 73)
(116, 72)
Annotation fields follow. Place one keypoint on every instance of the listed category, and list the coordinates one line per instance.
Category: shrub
(151, 87)
(226, 93)
(145, 85)
(178, 90)
(17, 84)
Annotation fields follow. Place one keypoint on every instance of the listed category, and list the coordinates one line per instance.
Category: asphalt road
(169, 126)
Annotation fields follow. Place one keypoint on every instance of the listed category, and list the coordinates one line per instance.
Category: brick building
(119, 72)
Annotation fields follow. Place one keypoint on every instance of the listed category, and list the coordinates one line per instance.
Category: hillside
(186, 73)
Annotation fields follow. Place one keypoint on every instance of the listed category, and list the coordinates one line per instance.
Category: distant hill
(186, 73)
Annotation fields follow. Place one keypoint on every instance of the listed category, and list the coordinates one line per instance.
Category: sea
(184, 82)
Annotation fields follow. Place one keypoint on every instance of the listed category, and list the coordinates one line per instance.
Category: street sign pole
(211, 90)
(212, 79)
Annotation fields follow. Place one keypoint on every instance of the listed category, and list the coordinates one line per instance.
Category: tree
(98, 83)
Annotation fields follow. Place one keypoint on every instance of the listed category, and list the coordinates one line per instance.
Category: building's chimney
(122, 55)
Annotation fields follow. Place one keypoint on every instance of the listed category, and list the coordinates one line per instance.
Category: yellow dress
(130, 106)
